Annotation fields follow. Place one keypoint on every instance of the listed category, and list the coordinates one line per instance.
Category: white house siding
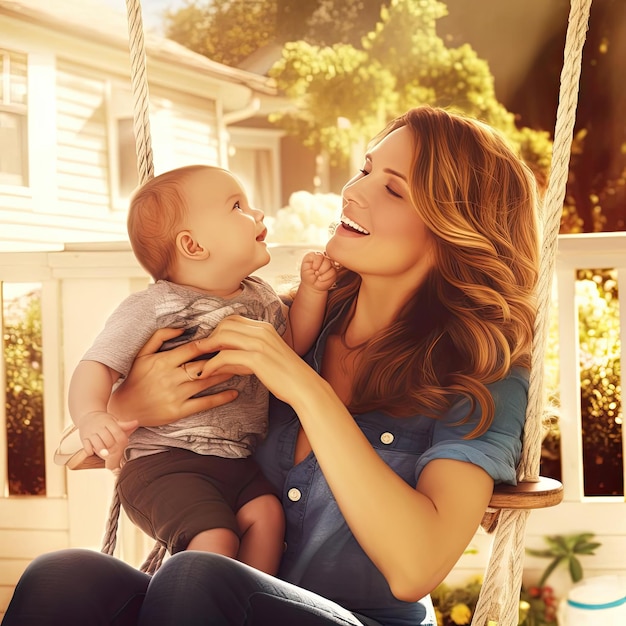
(184, 130)
(82, 144)
(78, 85)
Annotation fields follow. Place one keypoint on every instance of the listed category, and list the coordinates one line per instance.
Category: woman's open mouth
(353, 226)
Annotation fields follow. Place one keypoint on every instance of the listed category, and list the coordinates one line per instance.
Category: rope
(145, 170)
(110, 534)
(154, 559)
(499, 598)
(139, 79)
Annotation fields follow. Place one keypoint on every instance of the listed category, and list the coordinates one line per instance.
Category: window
(254, 157)
(127, 176)
(13, 119)
(122, 151)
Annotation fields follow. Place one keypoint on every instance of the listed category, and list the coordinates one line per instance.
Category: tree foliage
(226, 31)
(401, 63)
(596, 188)
(350, 66)
(24, 396)
(341, 96)
(600, 375)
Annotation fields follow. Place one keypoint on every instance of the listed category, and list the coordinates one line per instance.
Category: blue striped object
(596, 607)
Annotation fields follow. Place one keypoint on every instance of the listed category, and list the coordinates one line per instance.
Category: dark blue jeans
(190, 589)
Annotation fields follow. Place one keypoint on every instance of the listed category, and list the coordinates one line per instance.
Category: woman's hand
(248, 346)
(158, 390)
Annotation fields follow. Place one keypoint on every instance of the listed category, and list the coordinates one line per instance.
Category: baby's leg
(262, 527)
(173, 497)
(218, 540)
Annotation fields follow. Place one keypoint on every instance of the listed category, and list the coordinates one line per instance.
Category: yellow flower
(460, 614)
(439, 617)
(524, 608)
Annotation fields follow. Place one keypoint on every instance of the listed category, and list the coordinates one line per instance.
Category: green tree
(596, 188)
(341, 95)
(226, 31)
(24, 396)
(601, 405)
(336, 21)
(401, 63)
(350, 66)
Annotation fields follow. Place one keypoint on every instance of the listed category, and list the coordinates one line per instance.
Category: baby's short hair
(154, 216)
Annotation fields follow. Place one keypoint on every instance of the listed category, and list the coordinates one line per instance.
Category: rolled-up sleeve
(497, 450)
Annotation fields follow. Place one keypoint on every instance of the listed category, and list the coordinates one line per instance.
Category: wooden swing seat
(543, 493)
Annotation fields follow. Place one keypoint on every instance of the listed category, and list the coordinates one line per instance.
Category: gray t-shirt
(231, 430)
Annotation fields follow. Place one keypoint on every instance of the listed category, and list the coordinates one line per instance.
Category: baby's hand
(318, 271)
(102, 434)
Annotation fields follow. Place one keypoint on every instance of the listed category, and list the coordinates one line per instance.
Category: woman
(386, 441)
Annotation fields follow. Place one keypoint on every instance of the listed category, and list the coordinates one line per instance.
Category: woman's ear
(189, 247)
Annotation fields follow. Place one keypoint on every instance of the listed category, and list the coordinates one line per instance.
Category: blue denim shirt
(322, 554)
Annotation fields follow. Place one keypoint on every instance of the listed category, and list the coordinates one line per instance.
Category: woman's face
(381, 233)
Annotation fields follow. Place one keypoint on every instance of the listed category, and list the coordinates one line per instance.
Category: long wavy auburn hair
(472, 319)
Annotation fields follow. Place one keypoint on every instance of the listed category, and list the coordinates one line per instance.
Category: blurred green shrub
(24, 395)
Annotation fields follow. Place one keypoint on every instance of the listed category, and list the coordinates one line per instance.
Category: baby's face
(221, 221)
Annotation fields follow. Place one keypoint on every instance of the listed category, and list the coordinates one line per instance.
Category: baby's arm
(89, 393)
(304, 321)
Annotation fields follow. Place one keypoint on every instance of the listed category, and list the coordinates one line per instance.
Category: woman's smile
(353, 226)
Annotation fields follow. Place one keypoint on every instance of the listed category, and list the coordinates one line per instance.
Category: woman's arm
(414, 536)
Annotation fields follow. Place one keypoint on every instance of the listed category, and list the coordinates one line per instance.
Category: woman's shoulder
(510, 399)
(517, 379)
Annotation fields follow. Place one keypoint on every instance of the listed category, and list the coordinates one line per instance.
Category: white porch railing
(80, 287)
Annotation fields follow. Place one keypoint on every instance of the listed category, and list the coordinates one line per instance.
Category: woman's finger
(184, 353)
(157, 339)
(233, 332)
(229, 365)
(205, 403)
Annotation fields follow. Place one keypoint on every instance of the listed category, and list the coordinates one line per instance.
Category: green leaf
(587, 548)
(581, 539)
(540, 553)
(562, 544)
(575, 569)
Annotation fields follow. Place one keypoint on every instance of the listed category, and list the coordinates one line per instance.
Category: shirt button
(387, 438)
(294, 494)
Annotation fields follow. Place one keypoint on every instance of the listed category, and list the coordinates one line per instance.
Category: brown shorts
(172, 496)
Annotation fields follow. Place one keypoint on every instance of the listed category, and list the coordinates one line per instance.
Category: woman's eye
(237, 205)
(364, 172)
(392, 192)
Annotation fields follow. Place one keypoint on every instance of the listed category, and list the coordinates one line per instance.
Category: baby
(193, 484)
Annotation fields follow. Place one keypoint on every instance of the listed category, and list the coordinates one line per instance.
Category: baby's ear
(189, 247)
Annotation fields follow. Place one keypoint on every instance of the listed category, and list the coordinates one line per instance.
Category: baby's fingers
(321, 261)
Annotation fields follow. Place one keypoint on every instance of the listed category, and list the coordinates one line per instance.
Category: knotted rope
(141, 100)
(499, 597)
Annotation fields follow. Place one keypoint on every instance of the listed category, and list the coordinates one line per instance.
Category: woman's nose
(354, 193)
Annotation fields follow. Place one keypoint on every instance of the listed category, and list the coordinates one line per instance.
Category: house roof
(94, 21)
